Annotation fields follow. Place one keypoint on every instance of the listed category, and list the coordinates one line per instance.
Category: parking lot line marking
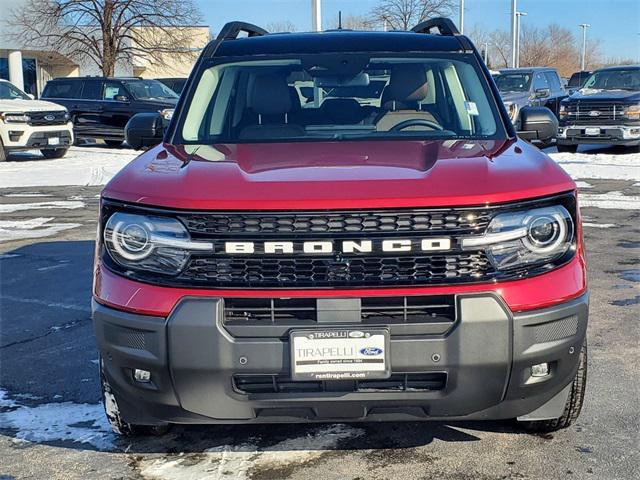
(44, 303)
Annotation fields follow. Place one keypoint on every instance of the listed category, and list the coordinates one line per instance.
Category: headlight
(14, 117)
(632, 112)
(517, 239)
(512, 110)
(167, 113)
(155, 244)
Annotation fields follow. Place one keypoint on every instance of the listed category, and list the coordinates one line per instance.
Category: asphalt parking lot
(51, 422)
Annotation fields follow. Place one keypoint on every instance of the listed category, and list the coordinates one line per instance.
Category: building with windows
(30, 69)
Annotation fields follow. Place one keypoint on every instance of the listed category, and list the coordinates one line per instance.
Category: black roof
(527, 69)
(337, 41)
(620, 67)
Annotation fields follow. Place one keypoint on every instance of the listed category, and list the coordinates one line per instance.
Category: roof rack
(444, 26)
(231, 31)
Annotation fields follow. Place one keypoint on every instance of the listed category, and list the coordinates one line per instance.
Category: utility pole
(583, 59)
(514, 9)
(486, 53)
(461, 23)
(316, 15)
(518, 16)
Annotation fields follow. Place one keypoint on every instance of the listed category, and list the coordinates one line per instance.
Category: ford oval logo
(371, 351)
(49, 118)
(356, 334)
(594, 113)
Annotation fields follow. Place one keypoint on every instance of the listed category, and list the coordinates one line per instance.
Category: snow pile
(18, 207)
(610, 200)
(80, 166)
(49, 422)
(39, 227)
(237, 462)
(600, 165)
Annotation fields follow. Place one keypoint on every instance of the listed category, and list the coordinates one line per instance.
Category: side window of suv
(92, 90)
(62, 89)
(554, 81)
(540, 81)
(113, 90)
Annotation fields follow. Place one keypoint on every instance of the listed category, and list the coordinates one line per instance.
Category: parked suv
(605, 110)
(395, 255)
(28, 124)
(101, 107)
(530, 86)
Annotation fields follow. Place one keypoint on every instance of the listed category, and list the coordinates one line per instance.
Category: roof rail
(444, 26)
(231, 31)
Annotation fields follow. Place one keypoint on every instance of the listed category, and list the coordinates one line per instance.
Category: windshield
(513, 82)
(614, 80)
(149, 90)
(10, 92)
(353, 96)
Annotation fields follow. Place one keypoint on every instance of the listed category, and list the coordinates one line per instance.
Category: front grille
(312, 271)
(373, 310)
(53, 118)
(594, 112)
(459, 221)
(399, 382)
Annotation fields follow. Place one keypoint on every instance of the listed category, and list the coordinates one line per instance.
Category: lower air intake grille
(399, 382)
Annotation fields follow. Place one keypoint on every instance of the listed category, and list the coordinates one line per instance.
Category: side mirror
(542, 92)
(121, 98)
(144, 130)
(537, 123)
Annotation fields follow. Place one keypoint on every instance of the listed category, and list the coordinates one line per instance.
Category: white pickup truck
(28, 124)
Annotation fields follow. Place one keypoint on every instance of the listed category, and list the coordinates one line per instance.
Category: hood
(28, 106)
(605, 95)
(335, 175)
(519, 98)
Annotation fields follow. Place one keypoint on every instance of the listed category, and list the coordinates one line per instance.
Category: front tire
(112, 411)
(54, 152)
(3, 153)
(113, 143)
(567, 148)
(574, 401)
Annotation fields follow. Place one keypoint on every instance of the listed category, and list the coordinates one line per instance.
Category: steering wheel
(414, 122)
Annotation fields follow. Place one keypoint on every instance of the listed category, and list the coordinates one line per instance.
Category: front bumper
(610, 134)
(485, 356)
(21, 136)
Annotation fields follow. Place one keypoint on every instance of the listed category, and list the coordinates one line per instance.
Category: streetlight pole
(583, 59)
(316, 15)
(514, 9)
(461, 23)
(518, 16)
(486, 53)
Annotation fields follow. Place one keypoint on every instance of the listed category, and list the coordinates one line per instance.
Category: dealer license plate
(339, 354)
(592, 132)
(53, 141)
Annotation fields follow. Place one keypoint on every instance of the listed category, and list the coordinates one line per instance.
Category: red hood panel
(334, 175)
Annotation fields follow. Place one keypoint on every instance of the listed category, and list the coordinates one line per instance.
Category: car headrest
(270, 94)
(407, 84)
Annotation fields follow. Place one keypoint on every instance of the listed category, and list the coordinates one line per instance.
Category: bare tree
(108, 31)
(405, 14)
(281, 26)
(352, 22)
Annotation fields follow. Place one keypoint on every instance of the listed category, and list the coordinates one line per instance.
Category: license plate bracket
(340, 354)
(53, 140)
(592, 131)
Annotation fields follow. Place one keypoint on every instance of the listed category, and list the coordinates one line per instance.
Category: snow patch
(611, 200)
(55, 422)
(80, 166)
(600, 165)
(236, 462)
(581, 184)
(598, 225)
(27, 194)
(32, 228)
(18, 207)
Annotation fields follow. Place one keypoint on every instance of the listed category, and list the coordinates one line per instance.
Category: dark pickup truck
(605, 110)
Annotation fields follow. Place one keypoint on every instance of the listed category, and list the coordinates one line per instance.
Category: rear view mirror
(121, 98)
(537, 123)
(542, 92)
(144, 130)
(360, 80)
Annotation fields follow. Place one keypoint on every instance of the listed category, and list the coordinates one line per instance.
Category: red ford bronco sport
(340, 226)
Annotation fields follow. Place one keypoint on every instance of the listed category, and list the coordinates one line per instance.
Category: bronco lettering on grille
(329, 246)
